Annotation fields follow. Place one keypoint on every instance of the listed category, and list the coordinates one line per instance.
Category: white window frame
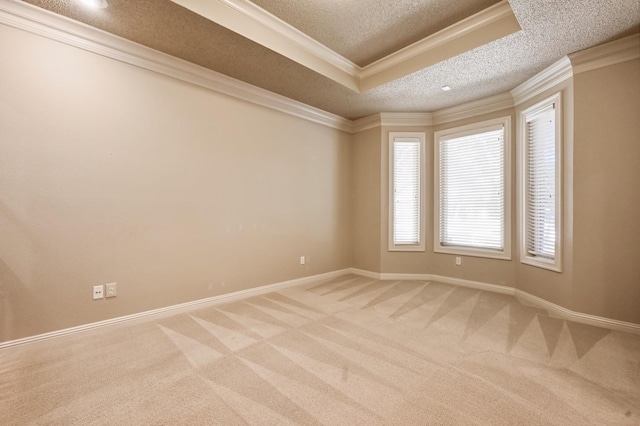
(480, 127)
(421, 138)
(555, 264)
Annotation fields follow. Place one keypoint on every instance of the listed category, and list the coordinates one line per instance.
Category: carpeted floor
(350, 351)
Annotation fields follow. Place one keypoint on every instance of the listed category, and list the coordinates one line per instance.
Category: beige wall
(607, 192)
(111, 173)
(366, 200)
(601, 170)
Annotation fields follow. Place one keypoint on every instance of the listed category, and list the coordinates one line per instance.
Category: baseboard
(431, 277)
(567, 314)
(174, 309)
(552, 308)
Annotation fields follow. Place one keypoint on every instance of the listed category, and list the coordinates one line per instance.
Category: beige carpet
(350, 351)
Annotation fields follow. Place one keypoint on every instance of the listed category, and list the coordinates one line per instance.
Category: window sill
(467, 251)
(551, 265)
(407, 248)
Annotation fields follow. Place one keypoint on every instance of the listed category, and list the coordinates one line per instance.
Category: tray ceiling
(550, 30)
(367, 30)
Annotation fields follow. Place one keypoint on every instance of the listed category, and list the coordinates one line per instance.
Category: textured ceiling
(551, 29)
(367, 30)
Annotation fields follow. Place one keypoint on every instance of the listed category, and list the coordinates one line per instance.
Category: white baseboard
(552, 308)
(431, 277)
(174, 309)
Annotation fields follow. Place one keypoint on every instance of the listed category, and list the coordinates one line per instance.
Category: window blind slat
(406, 192)
(472, 190)
(541, 185)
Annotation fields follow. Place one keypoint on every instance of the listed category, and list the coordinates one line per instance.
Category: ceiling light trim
(34, 20)
(260, 26)
(604, 55)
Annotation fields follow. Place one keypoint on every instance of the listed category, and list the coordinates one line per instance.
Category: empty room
(318, 212)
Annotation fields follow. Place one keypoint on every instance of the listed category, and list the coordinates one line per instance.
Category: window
(540, 184)
(406, 191)
(472, 175)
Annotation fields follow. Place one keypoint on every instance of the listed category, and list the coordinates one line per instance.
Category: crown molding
(260, 26)
(551, 76)
(474, 108)
(406, 119)
(393, 119)
(26, 17)
(366, 123)
(615, 52)
(488, 25)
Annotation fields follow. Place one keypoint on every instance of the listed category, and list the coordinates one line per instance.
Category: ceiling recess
(260, 26)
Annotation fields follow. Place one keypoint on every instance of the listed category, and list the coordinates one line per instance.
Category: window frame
(540, 262)
(479, 127)
(421, 138)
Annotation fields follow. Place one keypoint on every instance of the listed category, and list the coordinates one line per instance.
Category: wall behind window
(473, 268)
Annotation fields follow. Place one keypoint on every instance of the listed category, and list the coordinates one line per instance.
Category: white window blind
(406, 191)
(541, 184)
(471, 199)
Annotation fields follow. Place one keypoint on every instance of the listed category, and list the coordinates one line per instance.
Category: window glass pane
(541, 185)
(406, 192)
(472, 190)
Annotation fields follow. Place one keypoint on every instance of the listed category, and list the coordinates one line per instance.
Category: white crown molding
(37, 21)
(615, 52)
(551, 76)
(488, 25)
(474, 108)
(175, 309)
(393, 119)
(550, 307)
(260, 26)
(366, 123)
(406, 119)
(276, 24)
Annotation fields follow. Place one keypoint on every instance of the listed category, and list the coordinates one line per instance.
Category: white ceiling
(365, 30)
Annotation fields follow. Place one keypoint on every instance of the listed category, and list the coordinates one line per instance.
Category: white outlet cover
(98, 292)
(111, 290)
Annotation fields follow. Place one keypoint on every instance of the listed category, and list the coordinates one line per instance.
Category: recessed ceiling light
(95, 4)
(446, 88)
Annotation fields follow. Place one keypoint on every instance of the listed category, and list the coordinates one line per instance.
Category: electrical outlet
(98, 292)
(111, 290)
(302, 260)
(458, 261)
